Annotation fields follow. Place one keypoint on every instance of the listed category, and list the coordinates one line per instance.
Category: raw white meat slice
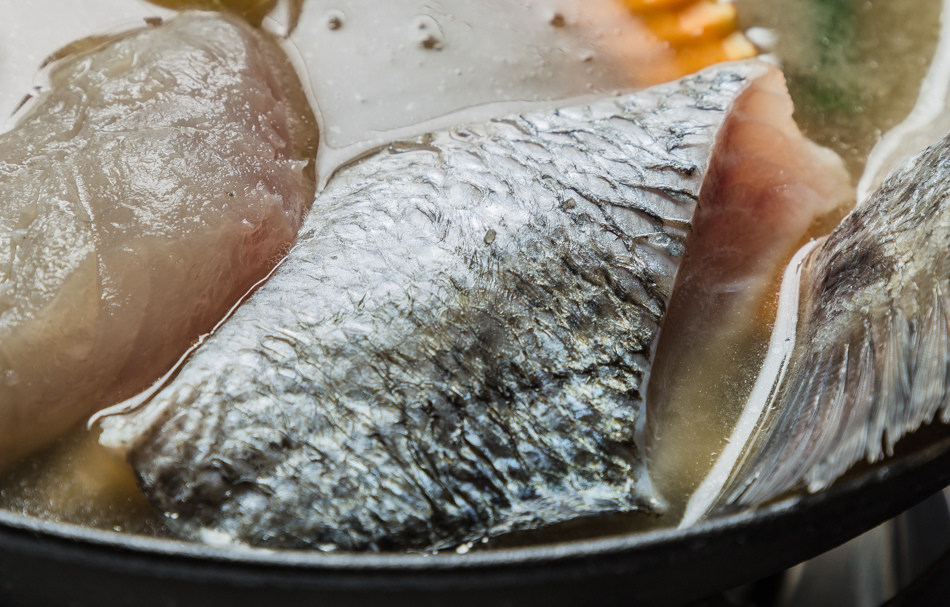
(160, 177)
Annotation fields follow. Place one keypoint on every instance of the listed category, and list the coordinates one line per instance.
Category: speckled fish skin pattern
(872, 359)
(458, 344)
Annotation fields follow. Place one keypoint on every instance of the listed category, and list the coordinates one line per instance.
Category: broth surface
(854, 67)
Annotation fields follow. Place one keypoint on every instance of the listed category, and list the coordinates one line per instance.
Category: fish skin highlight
(157, 178)
(871, 362)
(456, 346)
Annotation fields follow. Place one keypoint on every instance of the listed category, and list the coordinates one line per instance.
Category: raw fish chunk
(158, 178)
(458, 344)
(871, 361)
(766, 189)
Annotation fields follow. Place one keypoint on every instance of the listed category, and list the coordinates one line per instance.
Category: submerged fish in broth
(459, 343)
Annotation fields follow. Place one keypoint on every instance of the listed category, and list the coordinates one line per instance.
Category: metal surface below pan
(45, 563)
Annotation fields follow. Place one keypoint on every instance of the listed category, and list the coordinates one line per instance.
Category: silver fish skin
(872, 357)
(458, 344)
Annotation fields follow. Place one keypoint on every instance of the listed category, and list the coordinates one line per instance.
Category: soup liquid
(854, 67)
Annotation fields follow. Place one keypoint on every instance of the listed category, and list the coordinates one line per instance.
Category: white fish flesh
(459, 342)
(159, 177)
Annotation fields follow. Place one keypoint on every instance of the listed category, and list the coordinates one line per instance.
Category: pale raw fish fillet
(156, 180)
(766, 188)
(459, 343)
(872, 356)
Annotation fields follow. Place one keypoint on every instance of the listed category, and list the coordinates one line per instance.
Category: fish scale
(466, 325)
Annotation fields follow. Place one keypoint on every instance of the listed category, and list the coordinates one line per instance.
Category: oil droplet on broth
(334, 19)
(429, 33)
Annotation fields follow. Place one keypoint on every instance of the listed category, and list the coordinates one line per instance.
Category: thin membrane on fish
(155, 181)
(458, 344)
(872, 357)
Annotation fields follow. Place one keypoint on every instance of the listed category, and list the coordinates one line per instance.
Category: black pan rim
(628, 543)
(97, 568)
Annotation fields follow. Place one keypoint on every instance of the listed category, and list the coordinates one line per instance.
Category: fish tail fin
(854, 397)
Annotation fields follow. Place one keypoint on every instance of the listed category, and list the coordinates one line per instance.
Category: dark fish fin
(871, 360)
(853, 395)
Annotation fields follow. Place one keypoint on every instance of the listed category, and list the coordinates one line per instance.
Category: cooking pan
(48, 563)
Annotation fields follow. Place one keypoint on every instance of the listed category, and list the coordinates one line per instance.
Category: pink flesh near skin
(160, 177)
(765, 192)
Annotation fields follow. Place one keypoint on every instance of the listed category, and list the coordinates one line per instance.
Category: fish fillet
(155, 181)
(458, 344)
(872, 357)
(766, 189)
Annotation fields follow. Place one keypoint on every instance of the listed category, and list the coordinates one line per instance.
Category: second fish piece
(459, 343)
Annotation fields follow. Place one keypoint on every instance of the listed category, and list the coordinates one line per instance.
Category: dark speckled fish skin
(872, 359)
(458, 344)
